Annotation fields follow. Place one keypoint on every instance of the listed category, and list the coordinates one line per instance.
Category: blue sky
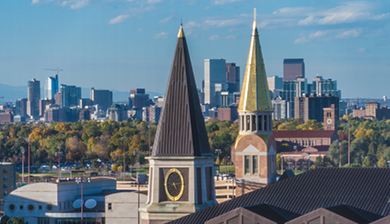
(123, 44)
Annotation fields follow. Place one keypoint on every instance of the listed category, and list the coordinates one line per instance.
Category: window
(5, 178)
(248, 122)
(5, 193)
(43, 220)
(30, 207)
(109, 206)
(5, 170)
(247, 165)
(242, 123)
(12, 207)
(253, 123)
(40, 207)
(49, 207)
(5, 185)
(265, 123)
(199, 185)
(272, 164)
(209, 186)
(260, 123)
(21, 207)
(255, 164)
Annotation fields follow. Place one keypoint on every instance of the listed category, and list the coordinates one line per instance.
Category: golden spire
(255, 93)
(181, 32)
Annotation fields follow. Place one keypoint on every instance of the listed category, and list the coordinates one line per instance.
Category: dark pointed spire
(181, 130)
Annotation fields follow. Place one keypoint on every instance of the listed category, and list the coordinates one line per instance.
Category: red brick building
(229, 113)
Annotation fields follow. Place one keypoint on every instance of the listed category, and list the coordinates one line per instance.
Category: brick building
(228, 113)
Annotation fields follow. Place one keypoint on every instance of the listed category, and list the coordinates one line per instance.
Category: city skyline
(94, 40)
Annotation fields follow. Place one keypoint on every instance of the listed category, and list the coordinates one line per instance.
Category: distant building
(214, 74)
(228, 113)
(292, 89)
(322, 87)
(84, 114)
(34, 94)
(135, 114)
(159, 101)
(311, 107)
(55, 114)
(70, 96)
(102, 98)
(371, 108)
(21, 107)
(42, 105)
(57, 98)
(383, 113)
(138, 98)
(51, 87)
(117, 112)
(359, 113)
(232, 77)
(85, 103)
(280, 108)
(275, 85)
(45, 203)
(151, 113)
(19, 118)
(6, 118)
(8, 179)
(293, 68)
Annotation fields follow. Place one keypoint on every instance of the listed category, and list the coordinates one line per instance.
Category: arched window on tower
(265, 122)
(253, 122)
(242, 123)
(248, 122)
(260, 123)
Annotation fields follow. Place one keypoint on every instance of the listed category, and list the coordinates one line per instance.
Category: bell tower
(330, 117)
(181, 173)
(255, 147)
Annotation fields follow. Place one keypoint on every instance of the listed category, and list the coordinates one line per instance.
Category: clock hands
(174, 184)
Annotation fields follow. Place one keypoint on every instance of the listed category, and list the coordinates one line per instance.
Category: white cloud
(362, 49)
(75, 4)
(154, 1)
(40, 1)
(222, 2)
(349, 34)
(166, 19)
(219, 23)
(231, 37)
(118, 19)
(161, 35)
(301, 40)
(346, 13)
(316, 35)
(34, 2)
(191, 24)
(214, 37)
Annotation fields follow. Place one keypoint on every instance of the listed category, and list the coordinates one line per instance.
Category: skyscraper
(101, 97)
(21, 107)
(70, 95)
(33, 96)
(293, 68)
(233, 77)
(322, 87)
(51, 87)
(214, 78)
(138, 98)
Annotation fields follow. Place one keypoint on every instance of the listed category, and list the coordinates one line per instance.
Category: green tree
(16, 220)
(366, 162)
(382, 162)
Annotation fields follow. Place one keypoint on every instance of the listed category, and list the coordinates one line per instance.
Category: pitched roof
(181, 130)
(303, 134)
(365, 189)
(268, 212)
(348, 212)
(255, 92)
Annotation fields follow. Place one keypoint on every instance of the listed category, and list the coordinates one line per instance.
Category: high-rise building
(101, 97)
(8, 178)
(275, 85)
(42, 105)
(33, 96)
(70, 95)
(233, 77)
(280, 108)
(181, 173)
(311, 107)
(254, 152)
(292, 89)
(85, 103)
(138, 98)
(117, 112)
(322, 87)
(51, 87)
(214, 79)
(151, 113)
(293, 69)
(21, 107)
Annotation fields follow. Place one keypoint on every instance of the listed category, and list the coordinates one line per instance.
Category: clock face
(174, 184)
(329, 121)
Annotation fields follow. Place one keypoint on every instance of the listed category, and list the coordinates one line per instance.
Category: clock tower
(330, 117)
(181, 173)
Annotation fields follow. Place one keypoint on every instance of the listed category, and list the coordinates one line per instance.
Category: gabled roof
(267, 211)
(181, 130)
(366, 190)
(348, 212)
(303, 134)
